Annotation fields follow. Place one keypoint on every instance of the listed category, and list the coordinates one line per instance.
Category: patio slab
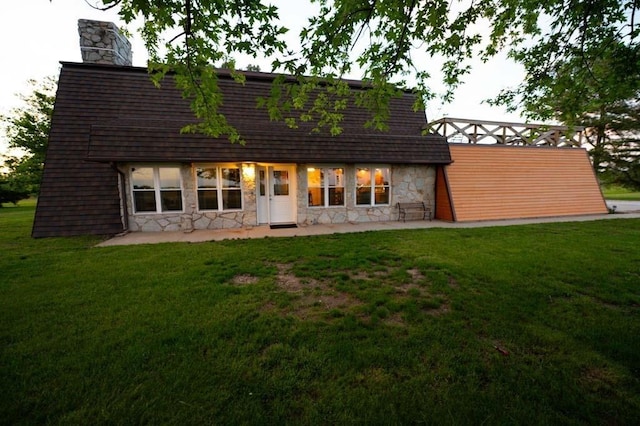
(264, 231)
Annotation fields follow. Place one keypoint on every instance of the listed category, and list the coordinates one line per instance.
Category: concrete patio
(625, 210)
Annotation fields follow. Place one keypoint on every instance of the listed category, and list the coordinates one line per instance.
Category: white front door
(282, 194)
(276, 194)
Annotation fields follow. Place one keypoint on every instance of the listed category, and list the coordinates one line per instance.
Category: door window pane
(261, 175)
(280, 182)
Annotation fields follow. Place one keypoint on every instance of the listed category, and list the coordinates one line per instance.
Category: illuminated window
(325, 186)
(373, 186)
(219, 188)
(156, 189)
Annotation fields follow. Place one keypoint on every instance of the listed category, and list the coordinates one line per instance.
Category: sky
(37, 34)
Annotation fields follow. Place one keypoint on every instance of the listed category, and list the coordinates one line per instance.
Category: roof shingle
(106, 114)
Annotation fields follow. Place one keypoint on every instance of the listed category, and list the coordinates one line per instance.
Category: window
(156, 189)
(372, 186)
(325, 187)
(219, 188)
(207, 188)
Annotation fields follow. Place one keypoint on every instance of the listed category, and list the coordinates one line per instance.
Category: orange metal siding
(444, 210)
(489, 182)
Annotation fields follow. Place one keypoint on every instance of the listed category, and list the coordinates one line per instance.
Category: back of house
(118, 161)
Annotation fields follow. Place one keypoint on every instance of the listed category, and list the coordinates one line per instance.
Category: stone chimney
(103, 43)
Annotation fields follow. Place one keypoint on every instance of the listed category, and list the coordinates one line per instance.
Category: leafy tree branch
(562, 44)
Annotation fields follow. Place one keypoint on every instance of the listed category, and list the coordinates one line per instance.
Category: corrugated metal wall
(488, 182)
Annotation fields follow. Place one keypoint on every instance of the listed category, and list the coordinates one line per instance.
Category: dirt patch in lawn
(244, 279)
(310, 298)
(453, 283)
(289, 282)
(416, 275)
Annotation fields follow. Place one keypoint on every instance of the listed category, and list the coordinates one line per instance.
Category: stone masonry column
(103, 43)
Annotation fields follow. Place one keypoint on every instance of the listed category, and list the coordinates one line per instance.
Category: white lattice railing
(460, 130)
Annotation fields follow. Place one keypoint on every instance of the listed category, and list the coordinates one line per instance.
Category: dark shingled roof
(105, 114)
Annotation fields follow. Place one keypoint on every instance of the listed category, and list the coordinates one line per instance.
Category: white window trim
(372, 201)
(218, 188)
(156, 188)
(326, 186)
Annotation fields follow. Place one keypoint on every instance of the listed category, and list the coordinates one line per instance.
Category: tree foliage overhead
(612, 135)
(383, 42)
(573, 72)
(27, 130)
(594, 81)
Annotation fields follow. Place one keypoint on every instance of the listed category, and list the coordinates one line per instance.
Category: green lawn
(29, 202)
(508, 325)
(620, 193)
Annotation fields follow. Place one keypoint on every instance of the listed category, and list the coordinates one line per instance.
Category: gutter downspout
(123, 198)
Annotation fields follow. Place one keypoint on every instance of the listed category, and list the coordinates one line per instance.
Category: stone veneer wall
(103, 43)
(408, 183)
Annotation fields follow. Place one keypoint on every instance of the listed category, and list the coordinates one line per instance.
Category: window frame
(219, 189)
(326, 187)
(372, 185)
(157, 188)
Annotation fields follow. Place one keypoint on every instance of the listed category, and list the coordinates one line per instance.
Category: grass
(620, 193)
(29, 202)
(508, 325)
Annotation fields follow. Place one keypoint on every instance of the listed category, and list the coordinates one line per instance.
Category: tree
(27, 129)
(8, 194)
(613, 136)
(597, 87)
(388, 41)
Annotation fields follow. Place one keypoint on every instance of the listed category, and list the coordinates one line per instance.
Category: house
(117, 160)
